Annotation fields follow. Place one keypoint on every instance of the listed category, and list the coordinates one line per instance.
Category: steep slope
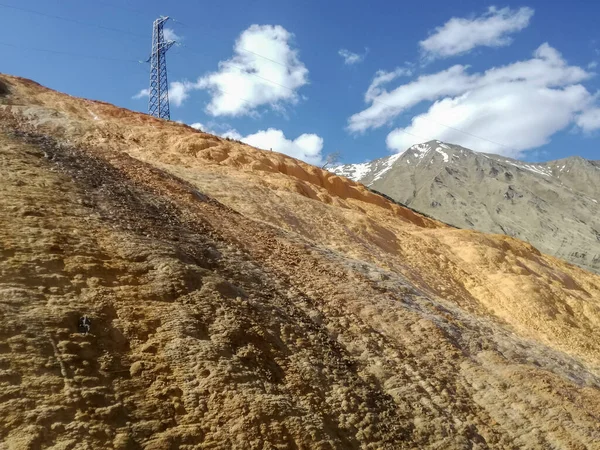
(243, 299)
(555, 206)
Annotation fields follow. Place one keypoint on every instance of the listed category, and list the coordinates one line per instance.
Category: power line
(140, 12)
(221, 91)
(144, 37)
(31, 11)
(203, 53)
(241, 67)
(66, 19)
(263, 57)
(78, 55)
(143, 13)
(133, 34)
(471, 134)
(127, 8)
(447, 126)
(374, 100)
(413, 135)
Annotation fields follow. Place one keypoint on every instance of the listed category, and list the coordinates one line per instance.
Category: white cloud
(170, 35)
(510, 117)
(179, 92)
(264, 71)
(212, 128)
(247, 81)
(589, 120)
(218, 129)
(592, 65)
(387, 105)
(204, 128)
(306, 147)
(350, 57)
(460, 35)
(382, 77)
(143, 93)
(513, 108)
(233, 134)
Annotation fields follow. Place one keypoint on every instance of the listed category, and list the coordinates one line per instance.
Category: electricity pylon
(158, 104)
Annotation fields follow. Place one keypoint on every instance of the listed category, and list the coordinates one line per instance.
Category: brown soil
(243, 299)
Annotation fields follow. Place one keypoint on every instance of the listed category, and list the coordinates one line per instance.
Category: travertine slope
(243, 299)
(555, 206)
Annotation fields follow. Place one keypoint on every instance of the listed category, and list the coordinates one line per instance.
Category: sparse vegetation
(331, 159)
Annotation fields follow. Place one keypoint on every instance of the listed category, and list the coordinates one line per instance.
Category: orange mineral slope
(336, 319)
(542, 297)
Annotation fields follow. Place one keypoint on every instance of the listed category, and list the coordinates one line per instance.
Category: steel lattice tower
(158, 105)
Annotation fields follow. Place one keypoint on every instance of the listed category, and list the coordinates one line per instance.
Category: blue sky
(364, 78)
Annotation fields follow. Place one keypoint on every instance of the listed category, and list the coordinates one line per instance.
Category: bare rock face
(555, 206)
(241, 299)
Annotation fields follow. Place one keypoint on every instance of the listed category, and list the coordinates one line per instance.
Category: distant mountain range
(555, 206)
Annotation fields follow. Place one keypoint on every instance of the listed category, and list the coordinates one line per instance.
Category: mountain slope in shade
(555, 206)
(242, 299)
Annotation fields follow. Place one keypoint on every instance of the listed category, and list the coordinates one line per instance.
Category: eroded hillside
(243, 299)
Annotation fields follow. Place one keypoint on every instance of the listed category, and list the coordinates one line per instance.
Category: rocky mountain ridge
(553, 205)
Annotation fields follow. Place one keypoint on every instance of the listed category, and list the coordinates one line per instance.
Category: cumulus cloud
(387, 105)
(350, 57)
(170, 35)
(179, 92)
(307, 146)
(504, 110)
(589, 120)
(205, 128)
(217, 129)
(233, 134)
(143, 93)
(264, 71)
(510, 118)
(382, 77)
(247, 81)
(460, 35)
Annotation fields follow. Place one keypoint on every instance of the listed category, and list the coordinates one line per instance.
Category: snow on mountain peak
(441, 152)
(421, 148)
(387, 166)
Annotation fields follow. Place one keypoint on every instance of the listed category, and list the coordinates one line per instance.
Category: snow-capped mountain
(552, 205)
